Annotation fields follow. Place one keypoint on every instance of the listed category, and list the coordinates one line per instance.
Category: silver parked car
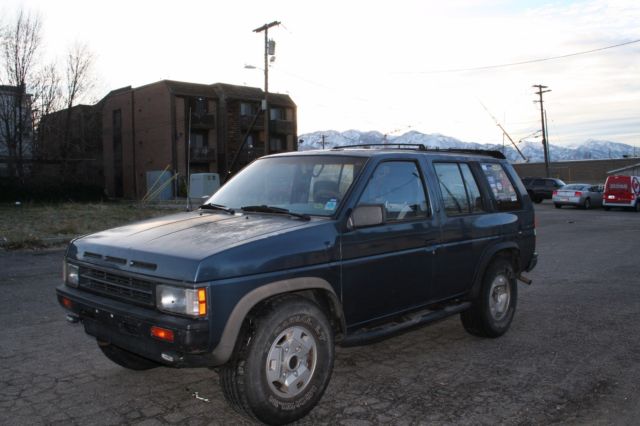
(582, 195)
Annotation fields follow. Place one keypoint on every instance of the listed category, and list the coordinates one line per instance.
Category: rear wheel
(558, 206)
(282, 363)
(492, 313)
(607, 208)
(125, 358)
(587, 204)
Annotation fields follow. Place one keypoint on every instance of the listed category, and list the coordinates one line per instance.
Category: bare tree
(79, 81)
(46, 99)
(20, 42)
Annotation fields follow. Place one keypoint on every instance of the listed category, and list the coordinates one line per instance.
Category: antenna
(504, 132)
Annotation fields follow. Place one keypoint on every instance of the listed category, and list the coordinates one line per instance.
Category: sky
(393, 67)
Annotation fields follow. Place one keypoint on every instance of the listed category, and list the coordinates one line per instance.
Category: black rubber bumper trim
(129, 327)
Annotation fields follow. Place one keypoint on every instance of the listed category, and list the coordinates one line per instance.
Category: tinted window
(452, 188)
(502, 189)
(475, 199)
(397, 186)
(538, 182)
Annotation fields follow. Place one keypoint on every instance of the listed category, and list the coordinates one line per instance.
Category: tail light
(555, 193)
(577, 194)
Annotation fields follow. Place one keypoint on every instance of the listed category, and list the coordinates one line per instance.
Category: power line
(512, 64)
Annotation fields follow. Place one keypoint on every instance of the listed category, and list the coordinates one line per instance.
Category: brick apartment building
(148, 128)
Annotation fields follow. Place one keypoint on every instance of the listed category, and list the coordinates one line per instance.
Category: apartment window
(247, 108)
(277, 144)
(199, 106)
(276, 113)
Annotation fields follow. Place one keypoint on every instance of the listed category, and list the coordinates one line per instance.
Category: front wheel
(492, 313)
(283, 362)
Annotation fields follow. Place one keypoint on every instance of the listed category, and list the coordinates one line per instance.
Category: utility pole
(265, 106)
(545, 142)
(323, 142)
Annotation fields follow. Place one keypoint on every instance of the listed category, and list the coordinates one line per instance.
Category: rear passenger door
(388, 268)
(465, 230)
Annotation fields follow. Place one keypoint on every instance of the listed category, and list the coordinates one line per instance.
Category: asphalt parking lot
(572, 355)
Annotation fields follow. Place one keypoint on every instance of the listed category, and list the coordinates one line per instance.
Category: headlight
(71, 274)
(185, 301)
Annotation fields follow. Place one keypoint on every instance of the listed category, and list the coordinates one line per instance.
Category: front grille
(117, 286)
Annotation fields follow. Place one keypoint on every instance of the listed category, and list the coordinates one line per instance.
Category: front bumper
(129, 327)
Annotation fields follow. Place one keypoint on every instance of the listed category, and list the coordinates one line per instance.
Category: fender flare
(487, 256)
(223, 351)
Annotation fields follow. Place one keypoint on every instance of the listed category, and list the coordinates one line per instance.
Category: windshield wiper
(276, 210)
(211, 206)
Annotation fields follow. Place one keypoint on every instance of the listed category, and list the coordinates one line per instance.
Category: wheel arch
(312, 288)
(509, 250)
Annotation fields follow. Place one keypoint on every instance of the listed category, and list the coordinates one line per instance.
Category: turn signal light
(202, 302)
(162, 334)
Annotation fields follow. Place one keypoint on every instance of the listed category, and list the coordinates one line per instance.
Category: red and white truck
(622, 191)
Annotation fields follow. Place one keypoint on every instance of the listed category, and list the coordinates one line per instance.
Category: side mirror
(366, 215)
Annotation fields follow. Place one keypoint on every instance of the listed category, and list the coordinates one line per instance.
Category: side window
(459, 189)
(503, 191)
(397, 186)
(475, 198)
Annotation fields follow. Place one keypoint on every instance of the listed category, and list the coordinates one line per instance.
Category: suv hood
(173, 247)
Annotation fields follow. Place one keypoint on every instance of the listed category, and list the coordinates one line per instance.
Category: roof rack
(414, 146)
(421, 147)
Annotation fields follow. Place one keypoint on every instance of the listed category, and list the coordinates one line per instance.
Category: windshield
(313, 185)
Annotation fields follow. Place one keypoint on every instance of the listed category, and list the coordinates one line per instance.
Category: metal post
(544, 132)
(265, 28)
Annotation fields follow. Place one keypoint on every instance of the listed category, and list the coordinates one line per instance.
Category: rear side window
(398, 187)
(502, 189)
(459, 189)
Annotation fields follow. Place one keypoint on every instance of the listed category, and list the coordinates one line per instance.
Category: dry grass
(42, 225)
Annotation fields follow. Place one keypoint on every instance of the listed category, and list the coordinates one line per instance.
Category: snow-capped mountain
(591, 149)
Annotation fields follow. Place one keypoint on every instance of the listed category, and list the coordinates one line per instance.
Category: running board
(382, 332)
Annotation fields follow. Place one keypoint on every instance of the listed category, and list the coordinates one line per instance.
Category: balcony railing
(246, 120)
(202, 153)
(206, 121)
(283, 127)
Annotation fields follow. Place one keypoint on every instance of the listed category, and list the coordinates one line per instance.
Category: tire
(537, 200)
(125, 358)
(558, 206)
(491, 314)
(587, 204)
(606, 208)
(263, 379)
(637, 209)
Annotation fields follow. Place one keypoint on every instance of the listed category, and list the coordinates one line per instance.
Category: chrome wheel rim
(499, 297)
(291, 361)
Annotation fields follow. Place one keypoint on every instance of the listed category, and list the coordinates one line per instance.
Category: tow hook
(524, 279)
(73, 319)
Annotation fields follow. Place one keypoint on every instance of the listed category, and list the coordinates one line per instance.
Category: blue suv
(302, 251)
